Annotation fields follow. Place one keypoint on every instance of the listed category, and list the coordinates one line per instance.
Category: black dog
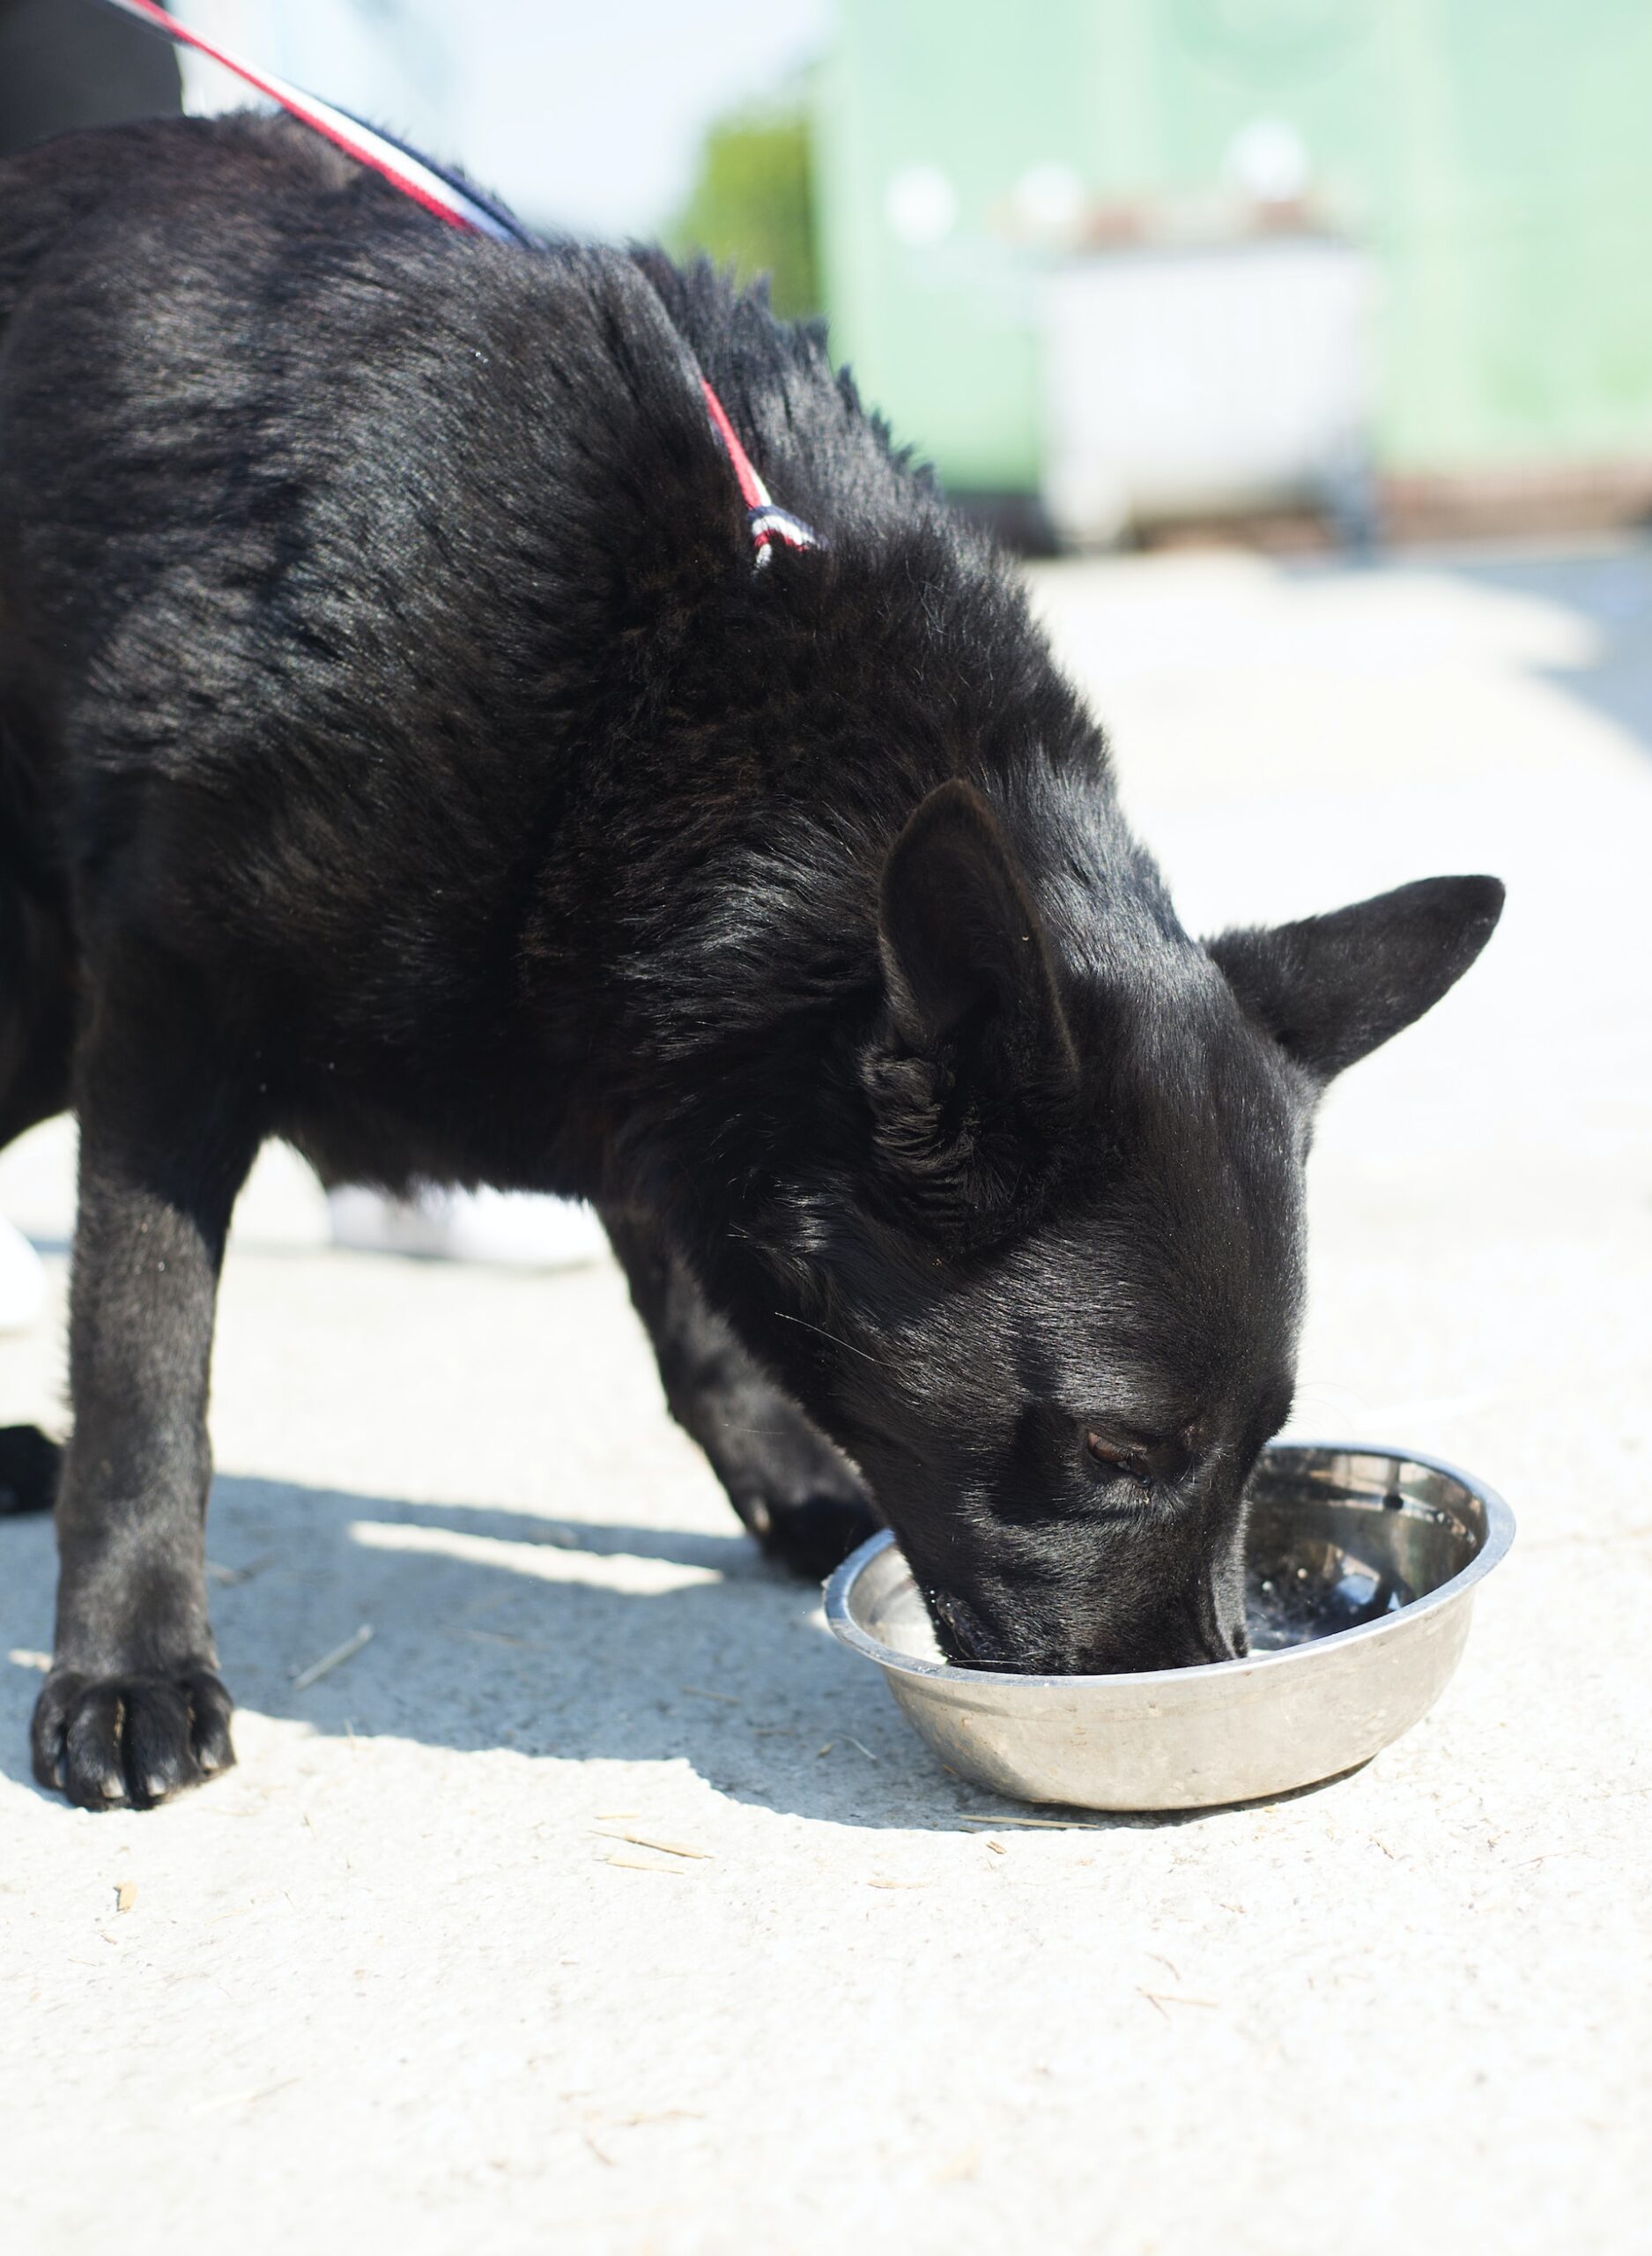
(400, 754)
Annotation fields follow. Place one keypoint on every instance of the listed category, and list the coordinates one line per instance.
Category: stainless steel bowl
(1362, 1565)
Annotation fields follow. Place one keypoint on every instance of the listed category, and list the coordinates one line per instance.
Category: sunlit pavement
(402, 1980)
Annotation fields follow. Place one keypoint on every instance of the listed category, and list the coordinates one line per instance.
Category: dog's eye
(1118, 1460)
(1153, 1463)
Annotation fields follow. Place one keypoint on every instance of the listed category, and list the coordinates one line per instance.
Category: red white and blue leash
(461, 206)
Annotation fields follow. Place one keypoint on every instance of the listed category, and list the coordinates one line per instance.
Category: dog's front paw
(799, 1496)
(127, 1741)
(814, 1535)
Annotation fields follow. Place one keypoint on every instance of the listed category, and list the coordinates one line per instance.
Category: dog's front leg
(801, 1500)
(133, 1708)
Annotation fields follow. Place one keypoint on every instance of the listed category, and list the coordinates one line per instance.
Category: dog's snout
(1205, 1627)
(1181, 1640)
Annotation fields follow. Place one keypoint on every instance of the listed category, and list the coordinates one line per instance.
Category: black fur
(401, 755)
(29, 1467)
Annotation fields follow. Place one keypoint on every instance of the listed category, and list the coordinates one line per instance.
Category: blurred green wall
(1496, 155)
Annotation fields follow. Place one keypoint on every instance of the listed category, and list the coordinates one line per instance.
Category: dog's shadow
(574, 1640)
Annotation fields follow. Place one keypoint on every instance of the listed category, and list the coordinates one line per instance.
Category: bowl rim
(1500, 1536)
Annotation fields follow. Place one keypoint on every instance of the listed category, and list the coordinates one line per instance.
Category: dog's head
(1061, 1287)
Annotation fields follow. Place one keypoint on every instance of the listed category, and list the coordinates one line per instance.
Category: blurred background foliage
(752, 204)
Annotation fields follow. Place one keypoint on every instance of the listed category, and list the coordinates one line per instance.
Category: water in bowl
(1314, 1590)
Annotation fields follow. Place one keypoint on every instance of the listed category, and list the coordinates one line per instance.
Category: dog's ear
(1330, 989)
(970, 1078)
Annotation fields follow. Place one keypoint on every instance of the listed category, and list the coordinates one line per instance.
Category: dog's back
(313, 518)
(352, 569)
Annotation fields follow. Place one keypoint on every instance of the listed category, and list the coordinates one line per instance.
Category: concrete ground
(402, 1981)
